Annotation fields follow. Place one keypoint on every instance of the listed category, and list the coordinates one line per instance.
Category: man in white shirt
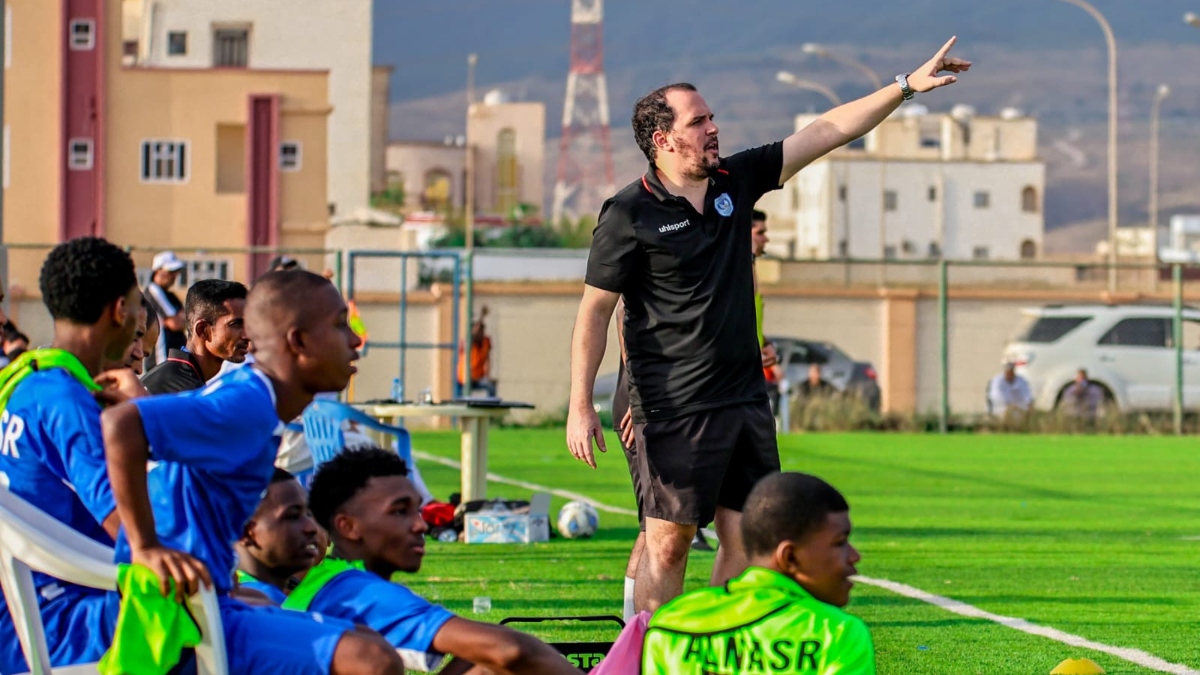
(1009, 393)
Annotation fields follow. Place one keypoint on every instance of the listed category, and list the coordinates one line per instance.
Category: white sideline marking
(1134, 656)
(565, 494)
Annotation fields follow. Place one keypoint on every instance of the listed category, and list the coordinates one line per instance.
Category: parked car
(837, 368)
(1127, 350)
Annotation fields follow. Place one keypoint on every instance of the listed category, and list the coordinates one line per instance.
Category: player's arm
(851, 120)
(587, 350)
(499, 649)
(128, 450)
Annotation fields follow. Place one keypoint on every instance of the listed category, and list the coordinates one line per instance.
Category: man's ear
(247, 539)
(295, 340)
(661, 141)
(346, 527)
(202, 329)
(119, 310)
(789, 558)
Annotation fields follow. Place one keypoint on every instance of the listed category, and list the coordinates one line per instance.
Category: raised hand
(119, 385)
(929, 75)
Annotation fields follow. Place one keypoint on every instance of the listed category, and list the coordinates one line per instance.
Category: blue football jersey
(214, 450)
(406, 620)
(52, 456)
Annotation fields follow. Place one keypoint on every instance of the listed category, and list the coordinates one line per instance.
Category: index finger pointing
(946, 47)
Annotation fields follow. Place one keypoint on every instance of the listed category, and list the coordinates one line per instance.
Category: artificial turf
(1094, 536)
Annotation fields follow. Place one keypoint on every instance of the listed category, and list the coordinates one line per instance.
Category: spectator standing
(481, 359)
(164, 273)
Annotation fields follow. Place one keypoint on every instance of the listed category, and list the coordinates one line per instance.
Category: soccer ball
(577, 520)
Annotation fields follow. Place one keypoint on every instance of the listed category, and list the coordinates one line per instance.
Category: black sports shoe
(699, 543)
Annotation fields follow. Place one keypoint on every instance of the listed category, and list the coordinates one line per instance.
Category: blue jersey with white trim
(215, 452)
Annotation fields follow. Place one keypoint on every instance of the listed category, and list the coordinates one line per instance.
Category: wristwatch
(905, 90)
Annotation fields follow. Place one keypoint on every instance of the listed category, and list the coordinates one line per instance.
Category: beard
(697, 166)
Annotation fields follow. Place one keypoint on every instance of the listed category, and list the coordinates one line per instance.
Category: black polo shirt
(180, 372)
(687, 278)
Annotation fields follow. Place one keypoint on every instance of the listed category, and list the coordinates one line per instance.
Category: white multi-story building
(269, 35)
(921, 185)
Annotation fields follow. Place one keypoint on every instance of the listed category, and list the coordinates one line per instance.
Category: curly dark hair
(651, 113)
(339, 479)
(83, 276)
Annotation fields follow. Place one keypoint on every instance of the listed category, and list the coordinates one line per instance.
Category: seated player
(280, 541)
(215, 451)
(51, 453)
(782, 615)
(371, 511)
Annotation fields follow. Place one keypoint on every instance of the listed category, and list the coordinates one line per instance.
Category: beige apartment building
(509, 143)
(192, 159)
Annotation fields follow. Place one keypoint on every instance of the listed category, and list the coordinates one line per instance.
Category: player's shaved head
(787, 507)
(282, 301)
(297, 323)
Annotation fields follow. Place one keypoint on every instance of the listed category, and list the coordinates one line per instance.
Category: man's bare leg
(660, 577)
(631, 572)
(731, 555)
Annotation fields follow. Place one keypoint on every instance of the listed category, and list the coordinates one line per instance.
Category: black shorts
(620, 405)
(688, 466)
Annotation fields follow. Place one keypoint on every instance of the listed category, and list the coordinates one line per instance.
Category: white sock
(628, 612)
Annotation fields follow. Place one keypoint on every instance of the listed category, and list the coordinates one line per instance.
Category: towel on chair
(152, 631)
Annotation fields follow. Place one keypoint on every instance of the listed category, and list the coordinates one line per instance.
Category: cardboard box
(501, 527)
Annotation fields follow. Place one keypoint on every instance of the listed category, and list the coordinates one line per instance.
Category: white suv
(1128, 350)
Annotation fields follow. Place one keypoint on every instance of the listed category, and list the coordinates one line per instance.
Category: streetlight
(808, 85)
(1112, 136)
(1162, 92)
(469, 222)
(824, 53)
(876, 81)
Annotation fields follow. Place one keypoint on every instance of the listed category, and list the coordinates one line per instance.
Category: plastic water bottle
(397, 390)
(481, 604)
(448, 536)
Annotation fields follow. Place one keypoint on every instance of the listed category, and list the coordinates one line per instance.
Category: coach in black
(676, 245)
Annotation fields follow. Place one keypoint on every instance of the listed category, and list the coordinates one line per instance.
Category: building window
(177, 43)
(843, 248)
(506, 171)
(436, 195)
(289, 156)
(841, 193)
(890, 200)
(1028, 250)
(889, 252)
(164, 161)
(930, 134)
(82, 34)
(983, 199)
(980, 253)
(1029, 199)
(231, 47)
(80, 155)
(932, 193)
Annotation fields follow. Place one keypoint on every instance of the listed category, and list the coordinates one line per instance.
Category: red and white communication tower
(585, 169)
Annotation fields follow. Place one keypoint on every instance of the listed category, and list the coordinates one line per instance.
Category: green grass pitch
(1094, 536)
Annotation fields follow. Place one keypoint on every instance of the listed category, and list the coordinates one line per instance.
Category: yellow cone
(1077, 667)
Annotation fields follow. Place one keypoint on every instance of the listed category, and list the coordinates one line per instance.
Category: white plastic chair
(31, 540)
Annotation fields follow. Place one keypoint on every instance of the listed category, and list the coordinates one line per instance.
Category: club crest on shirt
(724, 204)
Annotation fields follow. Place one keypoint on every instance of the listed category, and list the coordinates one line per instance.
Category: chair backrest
(31, 540)
(323, 422)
